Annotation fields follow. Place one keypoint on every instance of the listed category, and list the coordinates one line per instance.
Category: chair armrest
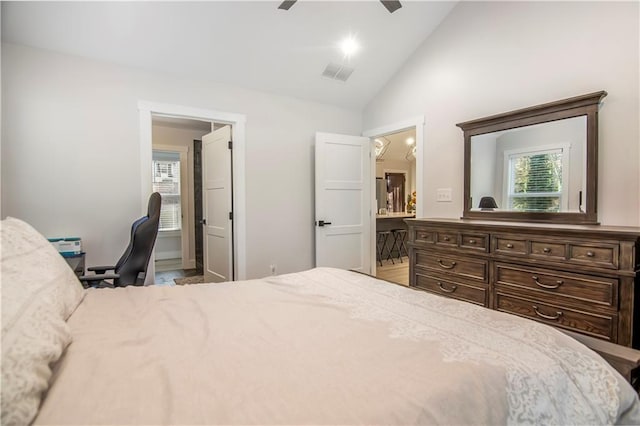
(98, 280)
(101, 269)
(99, 277)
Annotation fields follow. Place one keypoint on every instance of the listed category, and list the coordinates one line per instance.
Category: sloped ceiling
(249, 44)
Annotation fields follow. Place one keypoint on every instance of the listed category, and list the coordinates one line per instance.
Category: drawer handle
(446, 290)
(453, 264)
(551, 287)
(546, 250)
(446, 238)
(509, 246)
(590, 254)
(547, 317)
(472, 241)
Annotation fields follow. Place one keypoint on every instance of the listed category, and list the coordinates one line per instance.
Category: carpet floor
(198, 279)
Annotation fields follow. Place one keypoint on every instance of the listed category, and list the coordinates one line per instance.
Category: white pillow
(39, 292)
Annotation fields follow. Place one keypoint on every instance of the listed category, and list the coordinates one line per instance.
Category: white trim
(238, 122)
(418, 124)
(166, 255)
(185, 171)
(170, 148)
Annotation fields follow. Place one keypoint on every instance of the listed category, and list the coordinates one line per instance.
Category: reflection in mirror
(536, 168)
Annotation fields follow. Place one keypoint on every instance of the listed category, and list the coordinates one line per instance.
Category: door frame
(238, 123)
(418, 123)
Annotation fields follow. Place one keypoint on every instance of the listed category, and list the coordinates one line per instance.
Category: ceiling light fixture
(349, 46)
(410, 141)
(411, 154)
(381, 147)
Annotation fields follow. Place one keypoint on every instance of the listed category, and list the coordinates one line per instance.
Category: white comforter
(324, 346)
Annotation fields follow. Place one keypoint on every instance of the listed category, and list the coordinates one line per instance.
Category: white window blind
(166, 181)
(536, 180)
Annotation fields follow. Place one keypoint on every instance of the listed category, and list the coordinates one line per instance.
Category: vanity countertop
(398, 215)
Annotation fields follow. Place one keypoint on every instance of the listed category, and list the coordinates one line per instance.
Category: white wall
(492, 57)
(483, 169)
(61, 113)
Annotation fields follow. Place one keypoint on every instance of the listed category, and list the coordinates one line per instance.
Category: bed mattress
(324, 346)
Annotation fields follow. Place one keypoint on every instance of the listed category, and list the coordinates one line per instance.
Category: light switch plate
(443, 195)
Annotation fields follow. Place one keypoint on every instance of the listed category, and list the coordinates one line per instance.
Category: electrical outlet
(443, 195)
(273, 269)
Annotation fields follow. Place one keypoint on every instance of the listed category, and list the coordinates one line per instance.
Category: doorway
(175, 162)
(148, 112)
(398, 176)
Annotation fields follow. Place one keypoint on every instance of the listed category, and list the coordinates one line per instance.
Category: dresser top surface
(496, 226)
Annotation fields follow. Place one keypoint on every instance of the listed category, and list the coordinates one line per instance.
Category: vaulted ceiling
(249, 44)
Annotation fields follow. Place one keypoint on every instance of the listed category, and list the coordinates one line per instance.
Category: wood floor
(398, 273)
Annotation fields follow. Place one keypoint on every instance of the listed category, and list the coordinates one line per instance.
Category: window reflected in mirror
(537, 168)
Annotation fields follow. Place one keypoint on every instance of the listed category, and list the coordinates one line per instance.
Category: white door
(343, 202)
(218, 206)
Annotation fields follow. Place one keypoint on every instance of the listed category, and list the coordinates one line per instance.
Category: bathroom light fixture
(381, 147)
(410, 141)
(411, 154)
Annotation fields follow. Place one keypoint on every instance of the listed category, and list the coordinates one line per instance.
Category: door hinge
(230, 215)
(230, 145)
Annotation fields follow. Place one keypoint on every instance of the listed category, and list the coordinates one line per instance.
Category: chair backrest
(135, 258)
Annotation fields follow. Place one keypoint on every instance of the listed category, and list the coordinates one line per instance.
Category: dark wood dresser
(581, 278)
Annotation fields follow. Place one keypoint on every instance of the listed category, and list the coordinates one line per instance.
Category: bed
(323, 346)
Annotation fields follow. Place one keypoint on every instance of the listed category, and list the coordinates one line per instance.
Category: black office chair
(135, 259)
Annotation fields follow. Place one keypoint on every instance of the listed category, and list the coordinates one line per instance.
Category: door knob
(323, 223)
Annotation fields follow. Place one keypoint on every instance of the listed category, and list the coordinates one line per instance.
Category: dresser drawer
(459, 266)
(510, 246)
(598, 325)
(603, 255)
(447, 238)
(451, 288)
(423, 236)
(548, 250)
(559, 285)
(474, 241)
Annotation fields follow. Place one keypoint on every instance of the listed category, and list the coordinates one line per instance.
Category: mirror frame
(567, 108)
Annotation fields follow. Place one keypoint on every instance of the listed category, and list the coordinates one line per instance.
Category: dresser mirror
(535, 164)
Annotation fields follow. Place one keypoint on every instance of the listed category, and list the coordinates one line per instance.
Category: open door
(218, 206)
(343, 201)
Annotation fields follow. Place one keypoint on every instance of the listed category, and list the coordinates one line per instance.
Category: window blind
(166, 181)
(535, 181)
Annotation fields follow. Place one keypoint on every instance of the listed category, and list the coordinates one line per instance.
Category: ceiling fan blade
(285, 5)
(391, 6)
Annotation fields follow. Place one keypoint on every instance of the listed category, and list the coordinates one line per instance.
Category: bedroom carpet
(198, 279)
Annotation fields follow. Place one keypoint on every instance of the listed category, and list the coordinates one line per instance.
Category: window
(537, 179)
(166, 181)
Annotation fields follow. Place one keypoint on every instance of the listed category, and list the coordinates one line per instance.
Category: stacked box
(68, 247)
